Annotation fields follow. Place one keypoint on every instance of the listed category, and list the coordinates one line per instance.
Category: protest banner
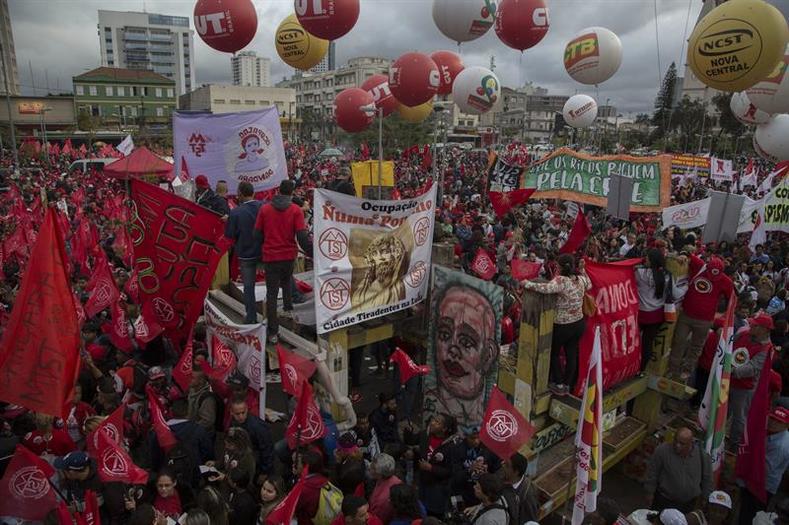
(569, 175)
(234, 147)
(503, 177)
(721, 170)
(682, 164)
(372, 257)
(616, 293)
(688, 215)
(776, 208)
(365, 177)
(468, 309)
(177, 247)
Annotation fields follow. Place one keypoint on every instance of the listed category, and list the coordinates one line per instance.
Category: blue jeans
(248, 270)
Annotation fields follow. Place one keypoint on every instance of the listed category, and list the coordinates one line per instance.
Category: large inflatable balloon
(772, 138)
(351, 109)
(521, 24)
(329, 19)
(463, 20)
(226, 25)
(771, 95)
(580, 111)
(449, 67)
(476, 90)
(737, 44)
(744, 110)
(414, 79)
(593, 55)
(378, 87)
(415, 114)
(296, 47)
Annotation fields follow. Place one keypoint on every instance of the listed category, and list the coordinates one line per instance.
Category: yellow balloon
(737, 44)
(296, 47)
(415, 114)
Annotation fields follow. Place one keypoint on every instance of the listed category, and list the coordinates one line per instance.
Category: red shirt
(754, 347)
(704, 291)
(279, 231)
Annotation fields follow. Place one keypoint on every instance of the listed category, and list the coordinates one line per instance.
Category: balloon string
(520, 72)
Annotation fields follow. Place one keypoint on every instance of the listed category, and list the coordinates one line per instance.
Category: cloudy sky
(59, 39)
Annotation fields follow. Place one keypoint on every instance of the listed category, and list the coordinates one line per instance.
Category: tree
(727, 121)
(690, 116)
(664, 102)
(643, 118)
(397, 135)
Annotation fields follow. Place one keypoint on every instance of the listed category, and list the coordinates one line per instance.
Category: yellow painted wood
(222, 274)
(368, 336)
(671, 388)
(565, 409)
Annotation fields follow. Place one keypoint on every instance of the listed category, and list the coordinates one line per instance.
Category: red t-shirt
(279, 231)
(704, 291)
(754, 347)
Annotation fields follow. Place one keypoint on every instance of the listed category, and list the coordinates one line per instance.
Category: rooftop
(117, 74)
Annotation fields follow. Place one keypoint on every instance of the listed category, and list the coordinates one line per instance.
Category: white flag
(748, 177)
(126, 146)
(767, 183)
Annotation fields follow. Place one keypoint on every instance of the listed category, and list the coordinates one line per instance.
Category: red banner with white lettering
(615, 292)
(177, 247)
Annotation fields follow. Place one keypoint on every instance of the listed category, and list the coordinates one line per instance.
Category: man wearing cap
(205, 197)
(78, 476)
(751, 348)
(240, 228)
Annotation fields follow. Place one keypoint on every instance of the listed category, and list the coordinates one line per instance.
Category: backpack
(219, 422)
(182, 464)
(329, 505)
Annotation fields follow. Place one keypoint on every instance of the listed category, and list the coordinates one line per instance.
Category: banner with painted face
(372, 258)
(234, 147)
(463, 345)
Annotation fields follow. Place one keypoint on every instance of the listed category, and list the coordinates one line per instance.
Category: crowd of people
(229, 466)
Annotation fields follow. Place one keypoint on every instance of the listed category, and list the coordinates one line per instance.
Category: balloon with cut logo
(415, 114)
(522, 24)
(328, 19)
(354, 109)
(476, 90)
(226, 25)
(744, 111)
(580, 111)
(771, 95)
(771, 139)
(449, 67)
(414, 79)
(593, 55)
(737, 44)
(378, 87)
(464, 20)
(296, 47)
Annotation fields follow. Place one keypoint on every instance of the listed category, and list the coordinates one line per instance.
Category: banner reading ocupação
(573, 176)
(234, 147)
(372, 257)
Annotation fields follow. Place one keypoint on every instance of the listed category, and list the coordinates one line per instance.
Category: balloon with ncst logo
(522, 24)
(464, 20)
(226, 25)
(296, 47)
(593, 55)
(414, 79)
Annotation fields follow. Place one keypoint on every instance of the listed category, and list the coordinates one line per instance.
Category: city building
(160, 43)
(8, 52)
(124, 97)
(250, 70)
(528, 113)
(33, 115)
(328, 63)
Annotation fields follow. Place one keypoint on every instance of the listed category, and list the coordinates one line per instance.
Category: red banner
(177, 246)
(504, 430)
(39, 354)
(25, 491)
(614, 289)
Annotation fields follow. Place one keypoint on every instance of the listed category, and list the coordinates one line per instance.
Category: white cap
(673, 517)
(718, 497)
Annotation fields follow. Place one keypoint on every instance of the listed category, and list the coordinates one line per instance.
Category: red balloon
(226, 25)
(378, 87)
(449, 66)
(348, 110)
(327, 19)
(414, 79)
(521, 24)
(507, 330)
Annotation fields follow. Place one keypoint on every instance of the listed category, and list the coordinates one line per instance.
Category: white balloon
(593, 55)
(476, 90)
(745, 112)
(580, 111)
(772, 139)
(462, 20)
(771, 95)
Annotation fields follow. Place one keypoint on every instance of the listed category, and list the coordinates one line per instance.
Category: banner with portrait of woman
(372, 257)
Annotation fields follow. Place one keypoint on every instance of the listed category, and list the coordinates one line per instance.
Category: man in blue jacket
(240, 228)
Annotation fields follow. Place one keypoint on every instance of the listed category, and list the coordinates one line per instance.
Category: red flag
(146, 329)
(751, 463)
(25, 491)
(104, 291)
(223, 361)
(578, 234)
(112, 427)
(39, 353)
(132, 287)
(114, 464)
(503, 202)
(504, 430)
(522, 269)
(119, 328)
(294, 370)
(283, 512)
(164, 435)
(483, 265)
(306, 425)
(91, 515)
(184, 176)
(407, 367)
(182, 373)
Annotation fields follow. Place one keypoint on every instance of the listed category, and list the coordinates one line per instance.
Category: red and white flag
(114, 463)
(104, 291)
(748, 177)
(483, 265)
(522, 269)
(504, 201)
(112, 427)
(294, 370)
(775, 177)
(164, 435)
(306, 425)
(119, 328)
(282, 514)
(579, 233)
(406, 366)
(25, 491)
(223, 360)
(504, 430)
(182, 372)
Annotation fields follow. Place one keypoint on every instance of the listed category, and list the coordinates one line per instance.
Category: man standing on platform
(240, 228)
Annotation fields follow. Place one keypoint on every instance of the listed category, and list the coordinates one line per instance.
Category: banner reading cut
(234, 147)
(615, 291)
(372, 258)
(569, 175)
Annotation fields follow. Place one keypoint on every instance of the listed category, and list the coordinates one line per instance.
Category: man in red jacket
(281, 223)
(311, 493)
(706, 285)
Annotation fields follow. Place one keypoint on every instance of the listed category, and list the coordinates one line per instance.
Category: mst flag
(164, 436)
(503, 202)
(589, 438)
(406, 366)
(39, 352)
(294, 370)
(714, 407)
(283, 512)
(483, 265)
(104, 291)
(114, 463)
(522, 269)
(504, 430)
(306, 425)
(112, 427)
(25, 491)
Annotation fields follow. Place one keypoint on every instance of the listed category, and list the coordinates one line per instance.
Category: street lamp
(43, 111)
